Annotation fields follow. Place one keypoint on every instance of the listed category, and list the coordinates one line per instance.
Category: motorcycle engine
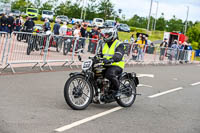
(103, 84)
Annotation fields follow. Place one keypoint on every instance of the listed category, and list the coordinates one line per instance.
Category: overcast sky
(168, 7)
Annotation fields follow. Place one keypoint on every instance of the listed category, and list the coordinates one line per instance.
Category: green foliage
(175, 24)
(46, 6)
(105, 9)
(5, 1)
(21, 5)
(194, 36)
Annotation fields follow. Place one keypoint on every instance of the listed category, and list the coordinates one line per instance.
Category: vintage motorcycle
(91, 86)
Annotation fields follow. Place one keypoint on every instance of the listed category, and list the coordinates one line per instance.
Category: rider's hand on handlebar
(105, 61)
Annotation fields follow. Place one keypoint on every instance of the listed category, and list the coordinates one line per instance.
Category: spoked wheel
(78, 92)
(19, 37)
(128, 93)
(30, 46)
(59, 45)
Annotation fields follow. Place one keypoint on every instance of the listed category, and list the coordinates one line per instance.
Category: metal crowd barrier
(3, 43)
(25, 48)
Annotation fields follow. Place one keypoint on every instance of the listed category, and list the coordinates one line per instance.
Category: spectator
(141, 44)
(10, 23)
(56, 27)
(181, 52)
(3, 21)
(174, 50)
(163, 49)
(132, 38)
(83, 34)
(77, 32)
(94, 40)
(189, 52)
(29, 24)
(47, 25)
(17, 24)
(22, 20)
(63, 29)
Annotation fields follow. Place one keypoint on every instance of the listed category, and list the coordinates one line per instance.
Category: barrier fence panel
(59, 49)
(25, 48)
(150, 54)
(87, 47)
(3, 44)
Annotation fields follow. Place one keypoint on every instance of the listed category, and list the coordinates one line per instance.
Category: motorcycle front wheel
(128, 93)
(78, 92)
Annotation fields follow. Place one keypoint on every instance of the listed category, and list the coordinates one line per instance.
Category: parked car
(47, 14)
(63, 18)
(5, 8)
(109, 23)
(74, 20)
(16, 13)
(124, 27)
(32, 13)
(98, 22)
(88, 23)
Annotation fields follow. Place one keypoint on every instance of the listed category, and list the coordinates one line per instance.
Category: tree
(37, 3)
(21, 5)
(161, 23)
(46, 6)
(194, 36)
(91, 9)
(5, 1)
(105, 9)
(63, 8)
(175, 24)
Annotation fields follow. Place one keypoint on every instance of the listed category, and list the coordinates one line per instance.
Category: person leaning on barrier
(56, 27)
(141, 45)
(94, 40)
(113, 53)
(3, 23)
(83, 31)
(10, 23)
(17, 24)
(163, 49)
(29, 24)
(47, 25)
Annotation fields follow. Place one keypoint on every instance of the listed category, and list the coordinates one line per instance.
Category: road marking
(77, 123)
(142, 85)
(165, 92)
(198, 83)
(145, 75)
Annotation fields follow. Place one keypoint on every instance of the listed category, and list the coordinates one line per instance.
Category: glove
(105, 61)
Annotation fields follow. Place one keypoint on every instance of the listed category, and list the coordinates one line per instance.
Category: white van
(98, 22)
(47, 14)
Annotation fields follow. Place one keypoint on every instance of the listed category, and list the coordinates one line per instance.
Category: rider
(113, 54)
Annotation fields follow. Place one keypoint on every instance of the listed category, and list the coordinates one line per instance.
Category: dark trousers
(111, 74)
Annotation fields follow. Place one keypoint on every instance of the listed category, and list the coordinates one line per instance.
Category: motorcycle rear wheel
(78, 92)
(128, 96)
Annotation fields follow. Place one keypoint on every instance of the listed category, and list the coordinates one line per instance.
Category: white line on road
(198, 83)
(145, 75)
(142, 85)
(77, 123)
(165, 92)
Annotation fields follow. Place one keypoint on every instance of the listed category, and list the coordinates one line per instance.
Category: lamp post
(82, 10)
(156, 15)
(149, 15)
(186, 22)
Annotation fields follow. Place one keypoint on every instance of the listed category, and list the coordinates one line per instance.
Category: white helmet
(110, 34)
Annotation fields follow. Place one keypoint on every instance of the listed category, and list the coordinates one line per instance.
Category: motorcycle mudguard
(131, 76)
(76, 73)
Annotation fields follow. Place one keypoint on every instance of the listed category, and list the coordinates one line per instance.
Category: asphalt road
(34, 103)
